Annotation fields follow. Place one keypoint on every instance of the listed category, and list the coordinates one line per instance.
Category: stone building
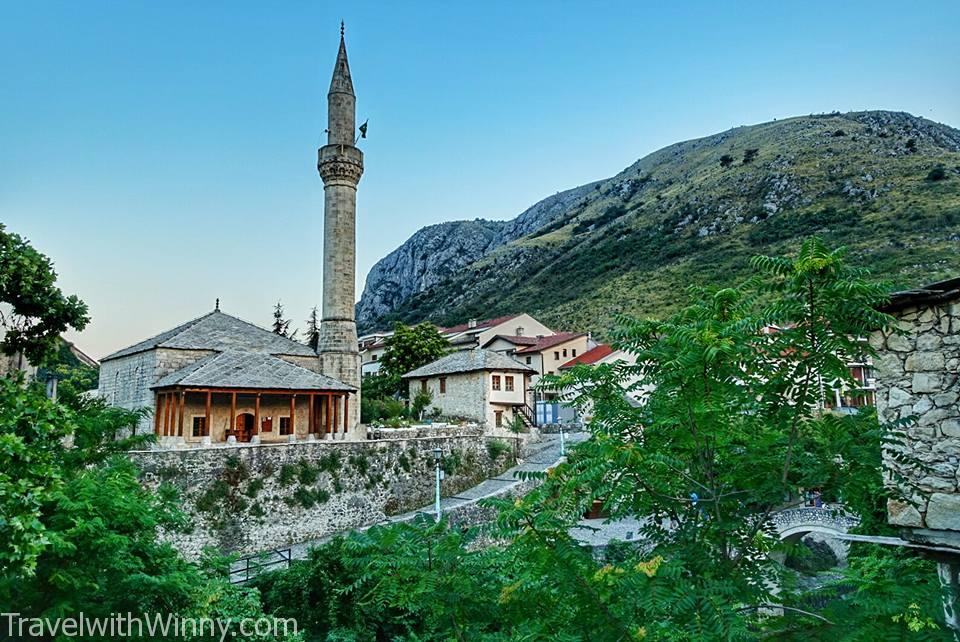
(218, 378)
(479, 385)
(917, 381)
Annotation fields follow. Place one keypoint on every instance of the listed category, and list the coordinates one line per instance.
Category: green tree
(39, 312)
(79, 531)
(281, 325)
(421, 400)
(730, 427)
(313, 329)
(407, 349)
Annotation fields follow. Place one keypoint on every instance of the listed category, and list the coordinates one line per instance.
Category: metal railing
(247, 568)
(529, 414)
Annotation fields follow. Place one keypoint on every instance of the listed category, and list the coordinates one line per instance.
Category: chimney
(472, 323)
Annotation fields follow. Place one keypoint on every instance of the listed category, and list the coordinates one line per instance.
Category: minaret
(340, 164)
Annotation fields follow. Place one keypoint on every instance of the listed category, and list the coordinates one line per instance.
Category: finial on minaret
(341, 29)
(217, 306)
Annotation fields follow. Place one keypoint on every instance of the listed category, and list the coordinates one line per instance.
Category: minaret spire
(341, 101)
(340, 164)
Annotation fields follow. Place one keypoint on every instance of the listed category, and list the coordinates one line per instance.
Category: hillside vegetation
(885, 184)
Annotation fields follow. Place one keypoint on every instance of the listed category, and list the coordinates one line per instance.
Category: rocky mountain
(885, 184)
(439, 251)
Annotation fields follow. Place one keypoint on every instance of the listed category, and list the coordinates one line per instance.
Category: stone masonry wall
(917, 378)
(247, 499)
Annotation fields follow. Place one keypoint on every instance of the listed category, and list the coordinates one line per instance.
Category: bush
(750, 155)
(726, 160)
(938, 173)
(496, 448)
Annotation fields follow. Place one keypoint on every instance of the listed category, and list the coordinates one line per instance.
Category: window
(520, 331)
(496, 382)
(508, 383)
(285, 426)
(529, 359)
(443, 385)
(556, 356)
(564, 352)
(373, 357)
(573, 352)
(200, 427)
(423, 385)
(499, 416)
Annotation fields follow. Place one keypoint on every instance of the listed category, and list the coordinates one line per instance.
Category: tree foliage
(313, 330)
(281, 325)
(79, 532)
(407, 349)
(38, 311)
(730, 427)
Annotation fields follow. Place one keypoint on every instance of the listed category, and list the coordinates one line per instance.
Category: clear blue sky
(163, 153)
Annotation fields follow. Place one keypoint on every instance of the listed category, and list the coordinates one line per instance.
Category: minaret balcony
(340, 163)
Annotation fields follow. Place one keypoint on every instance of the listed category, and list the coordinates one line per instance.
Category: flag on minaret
(363, 129)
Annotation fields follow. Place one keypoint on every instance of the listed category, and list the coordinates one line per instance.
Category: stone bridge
(831, 520)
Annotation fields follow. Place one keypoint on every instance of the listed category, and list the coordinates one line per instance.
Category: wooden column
(336, 414)
(256, 415)
(293, 414)
(156, 413)
(206, 420)
(183, 397)
(167, 406)
(346, 413)
(233, 414)
(311, 420)
(328, 412)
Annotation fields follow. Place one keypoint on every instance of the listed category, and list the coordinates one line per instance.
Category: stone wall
(917, 380)
(252, 498)
(465, 395)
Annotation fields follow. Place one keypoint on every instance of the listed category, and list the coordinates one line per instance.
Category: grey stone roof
(236, 369)
(934, 293)
(468, 361)
(218, 331)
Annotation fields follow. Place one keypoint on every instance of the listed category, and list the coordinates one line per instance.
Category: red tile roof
(590, 356)
(549, 341)
(486, 323)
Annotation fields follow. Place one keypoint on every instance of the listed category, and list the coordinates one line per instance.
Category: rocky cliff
(885, 184)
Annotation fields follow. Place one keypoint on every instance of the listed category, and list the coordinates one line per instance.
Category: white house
(479, 385)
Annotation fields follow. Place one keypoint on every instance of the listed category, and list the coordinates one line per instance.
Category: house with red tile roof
(545, 353)
(603, 353)
(523, 328)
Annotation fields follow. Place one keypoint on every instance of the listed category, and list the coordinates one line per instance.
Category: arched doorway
(244, 428)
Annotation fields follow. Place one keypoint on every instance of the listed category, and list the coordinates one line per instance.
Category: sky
(163, 154)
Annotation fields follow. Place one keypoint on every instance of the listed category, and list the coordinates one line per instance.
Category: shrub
(938, 173)
(496, 448)
(306, 472)
(254, 487)
(726, 160)
(749, 155)
(288, 472)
